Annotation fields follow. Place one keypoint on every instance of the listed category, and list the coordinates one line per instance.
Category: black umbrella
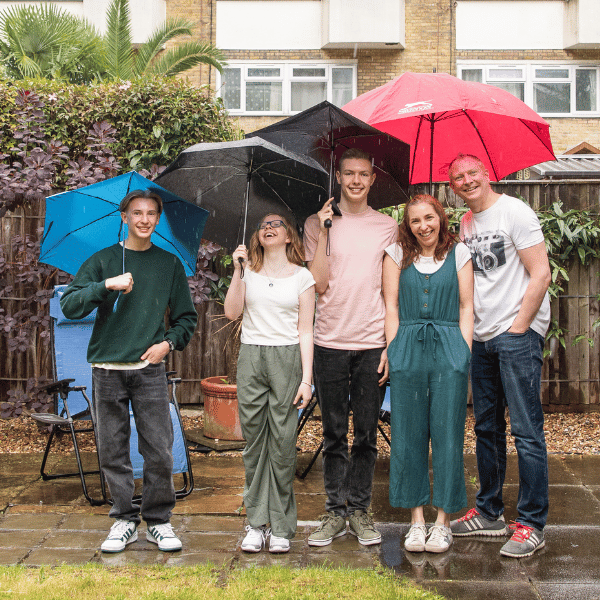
(325, 131)
(239, 182)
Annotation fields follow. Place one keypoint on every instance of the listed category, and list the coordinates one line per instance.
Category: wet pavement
(50, 523)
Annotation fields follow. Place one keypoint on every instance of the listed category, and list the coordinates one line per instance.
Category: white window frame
(286, 77)
(529, 78)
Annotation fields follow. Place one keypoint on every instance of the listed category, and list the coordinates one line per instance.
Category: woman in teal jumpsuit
(428, 290)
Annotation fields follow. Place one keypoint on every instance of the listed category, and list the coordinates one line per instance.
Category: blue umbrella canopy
(81, 222)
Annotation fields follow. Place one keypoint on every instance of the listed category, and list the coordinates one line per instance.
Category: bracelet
(171, 344)
(306, 383)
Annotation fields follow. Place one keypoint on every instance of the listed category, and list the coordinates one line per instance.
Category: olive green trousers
(267, 382)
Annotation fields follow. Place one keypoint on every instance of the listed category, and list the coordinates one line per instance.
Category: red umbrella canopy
(441, 116)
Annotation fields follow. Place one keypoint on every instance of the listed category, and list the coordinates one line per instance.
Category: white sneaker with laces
(256, 538)
(121, 533)
(164, 536)
(415, 538)
(278, 545)
(439, 538)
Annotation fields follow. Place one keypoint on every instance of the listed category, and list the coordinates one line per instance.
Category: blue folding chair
(70, 340)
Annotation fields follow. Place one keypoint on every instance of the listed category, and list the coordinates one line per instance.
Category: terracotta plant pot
(221, 417)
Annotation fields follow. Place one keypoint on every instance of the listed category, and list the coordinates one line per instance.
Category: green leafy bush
(155, 118)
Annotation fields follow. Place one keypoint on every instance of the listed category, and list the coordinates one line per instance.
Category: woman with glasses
(276, 295)
(428, 293)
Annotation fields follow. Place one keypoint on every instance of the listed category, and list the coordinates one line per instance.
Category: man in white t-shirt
(350, 358)
(512, 314)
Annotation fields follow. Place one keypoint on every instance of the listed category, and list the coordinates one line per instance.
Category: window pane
(264, 72)
(307, 94)
(472, 75)
(516, 89)
(263, 96)
(309, 72)
(231, 90)
(552, 97)
(552, 73)
(585, 89)
(506, 74)
(341, 80)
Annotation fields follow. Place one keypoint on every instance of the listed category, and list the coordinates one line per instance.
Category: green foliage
(124, 62)
(46, 41)
(155, 118)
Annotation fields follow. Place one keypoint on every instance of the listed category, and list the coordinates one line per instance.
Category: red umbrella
(441, 116)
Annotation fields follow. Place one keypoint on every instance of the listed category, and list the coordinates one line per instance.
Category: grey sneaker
(361, 525)
(524, 541)
(439, 539)
(164, 536)
(474, 524)
(121, 533)
(415, 538)
(331, 526)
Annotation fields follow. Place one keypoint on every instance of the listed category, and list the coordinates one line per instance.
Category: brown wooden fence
(571, 377)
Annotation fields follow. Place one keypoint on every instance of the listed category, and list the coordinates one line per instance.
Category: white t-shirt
(494, 237)
(428, 264)
(350, 313)
(271, 312)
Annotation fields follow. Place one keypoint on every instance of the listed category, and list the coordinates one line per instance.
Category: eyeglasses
(274, 224)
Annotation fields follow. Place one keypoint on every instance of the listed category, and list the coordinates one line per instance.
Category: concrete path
(49, 523)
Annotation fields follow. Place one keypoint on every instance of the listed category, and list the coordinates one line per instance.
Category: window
(285, 87)
(551, 89)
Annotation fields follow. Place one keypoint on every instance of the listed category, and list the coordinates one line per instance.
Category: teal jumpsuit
(429, 367)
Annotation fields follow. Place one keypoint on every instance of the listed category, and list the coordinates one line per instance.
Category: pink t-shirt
(350, 314)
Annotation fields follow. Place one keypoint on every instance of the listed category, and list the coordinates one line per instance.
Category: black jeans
(348, 380)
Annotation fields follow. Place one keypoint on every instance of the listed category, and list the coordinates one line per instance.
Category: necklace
(276, 275)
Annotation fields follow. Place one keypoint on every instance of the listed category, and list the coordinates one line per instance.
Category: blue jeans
(340, 374)
(506, 371)
(147, 390)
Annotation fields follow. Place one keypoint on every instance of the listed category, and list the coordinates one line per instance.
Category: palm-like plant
(125, 62)
(45, 41)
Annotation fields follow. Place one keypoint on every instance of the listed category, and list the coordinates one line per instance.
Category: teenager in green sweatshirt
(126, 350)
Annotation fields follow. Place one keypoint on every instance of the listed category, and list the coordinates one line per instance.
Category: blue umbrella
(81, 222)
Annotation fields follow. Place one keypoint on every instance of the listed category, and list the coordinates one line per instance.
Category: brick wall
(430, 45)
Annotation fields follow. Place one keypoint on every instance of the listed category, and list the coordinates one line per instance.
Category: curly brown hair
(294, 248)
(408, 242)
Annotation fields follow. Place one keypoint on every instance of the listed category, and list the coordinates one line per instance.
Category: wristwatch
(171, 344)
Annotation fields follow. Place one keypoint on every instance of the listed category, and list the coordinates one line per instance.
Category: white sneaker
(164, 536)
(256, 538)
(278, 545)
(415, 538)
(121, 533)
(439, 539)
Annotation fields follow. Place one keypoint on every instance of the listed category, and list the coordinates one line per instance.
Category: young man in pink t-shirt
(350, 351)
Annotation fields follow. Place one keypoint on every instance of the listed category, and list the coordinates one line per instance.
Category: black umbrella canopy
(239, 182)
(325, 131)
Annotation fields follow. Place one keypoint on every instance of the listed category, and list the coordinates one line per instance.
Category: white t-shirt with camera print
(494, 237)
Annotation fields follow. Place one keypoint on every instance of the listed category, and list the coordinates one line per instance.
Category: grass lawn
(94, 582)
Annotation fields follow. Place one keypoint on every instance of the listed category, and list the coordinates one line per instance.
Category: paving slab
(13, 556)
(54, 557)
(201, 523)
(221, 560)
(550, 591)
(36, 521)
(484, 591)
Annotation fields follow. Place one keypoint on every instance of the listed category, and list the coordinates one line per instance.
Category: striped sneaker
(474, 524)
(122, 532)
(163, 535)
(524, 541)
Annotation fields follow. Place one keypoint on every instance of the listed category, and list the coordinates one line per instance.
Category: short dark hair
(354, 153)
(135, 194)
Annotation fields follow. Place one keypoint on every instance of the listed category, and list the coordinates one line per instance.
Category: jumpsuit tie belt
(422, 326)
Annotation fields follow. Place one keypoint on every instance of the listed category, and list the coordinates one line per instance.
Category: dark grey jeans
(147, 390)
(348, 380)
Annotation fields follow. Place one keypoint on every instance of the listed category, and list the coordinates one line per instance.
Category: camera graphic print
(487, 251)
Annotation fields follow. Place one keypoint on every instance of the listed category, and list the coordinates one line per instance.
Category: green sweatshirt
(159, 283)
